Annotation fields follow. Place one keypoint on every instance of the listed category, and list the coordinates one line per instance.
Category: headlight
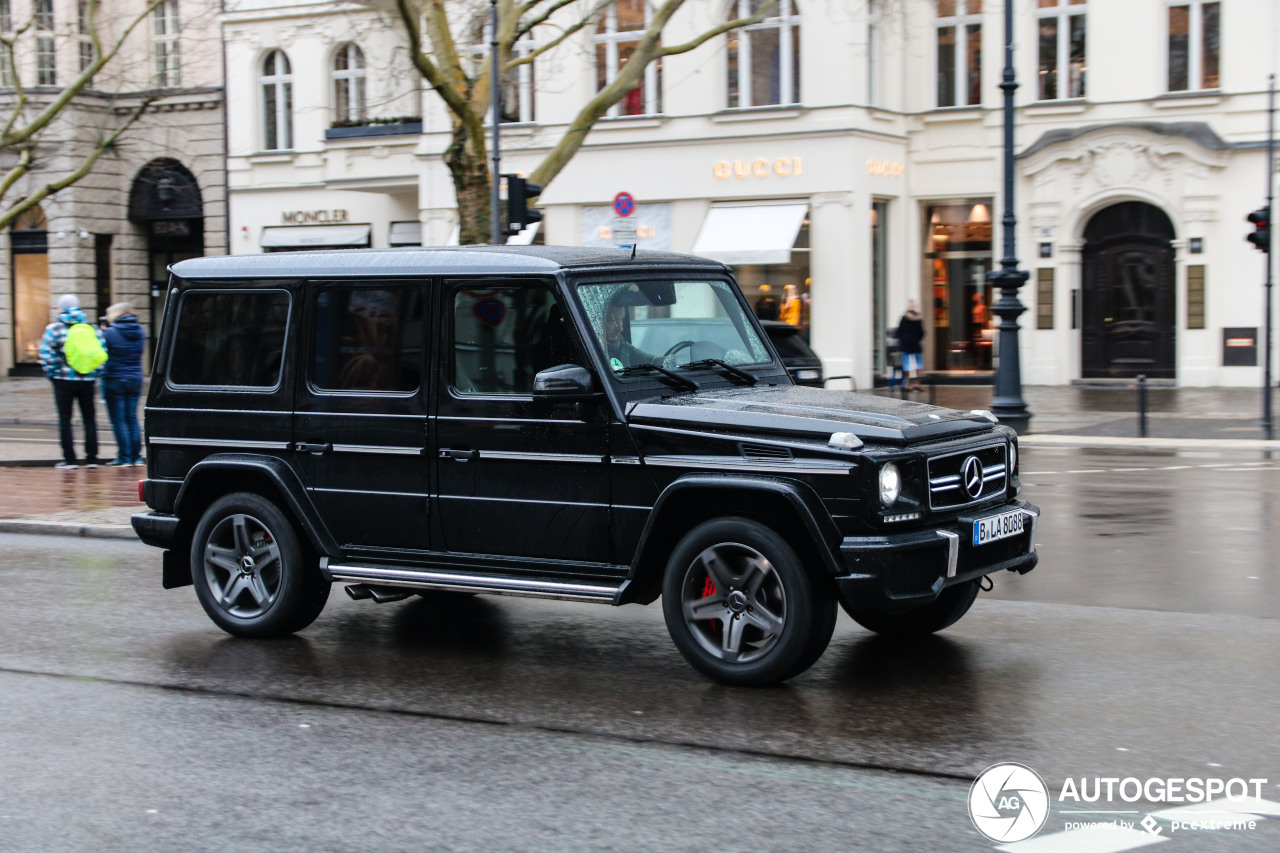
(890, 483)
(1013, 457)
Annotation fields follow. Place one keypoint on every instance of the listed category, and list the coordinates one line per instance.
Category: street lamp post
(1007, 404)
(495, 93)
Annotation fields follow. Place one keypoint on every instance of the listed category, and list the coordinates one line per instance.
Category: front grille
(946, 487)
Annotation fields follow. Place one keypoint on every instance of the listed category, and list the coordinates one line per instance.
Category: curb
(1055, 440)
(68, 528)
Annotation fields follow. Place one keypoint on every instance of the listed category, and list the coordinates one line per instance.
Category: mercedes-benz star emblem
(971, 476)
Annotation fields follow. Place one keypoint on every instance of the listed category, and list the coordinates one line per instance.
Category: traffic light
(519, 214)
(1261, 236)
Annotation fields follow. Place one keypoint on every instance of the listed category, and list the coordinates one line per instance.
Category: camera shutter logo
(971, 476)
(1008, 802)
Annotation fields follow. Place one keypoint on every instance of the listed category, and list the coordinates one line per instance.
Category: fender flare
(800, 498)
(281, 475)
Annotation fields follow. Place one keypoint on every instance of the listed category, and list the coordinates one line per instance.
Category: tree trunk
(466, 162)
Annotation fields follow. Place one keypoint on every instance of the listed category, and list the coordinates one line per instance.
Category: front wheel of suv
(942, 612)
(740, 607)
(250, 571)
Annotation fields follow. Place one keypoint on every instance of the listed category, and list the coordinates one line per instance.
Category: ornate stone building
(158, 195)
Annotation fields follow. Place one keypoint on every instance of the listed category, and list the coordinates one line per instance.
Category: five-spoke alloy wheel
(740, 606)
(249, 571)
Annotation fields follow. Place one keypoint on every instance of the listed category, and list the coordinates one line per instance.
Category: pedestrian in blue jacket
(126, 341)
(69, 386)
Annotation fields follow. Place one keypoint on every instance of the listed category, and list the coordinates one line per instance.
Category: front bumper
(913, 568)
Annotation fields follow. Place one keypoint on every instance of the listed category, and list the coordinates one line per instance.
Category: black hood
(807, 412)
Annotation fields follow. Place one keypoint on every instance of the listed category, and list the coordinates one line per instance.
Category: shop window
(764, 58)
(1044, 299)
(1062, 63)
(1195, 296)
(277, 102)
(517, 85)
(959, 37)
(164, 45)
(621, 27)
(230, 339)
(958, 256)
(880, 284)
(1193, 45)
(348, 84)
(46, 52)
(29, 245)
(6, 17)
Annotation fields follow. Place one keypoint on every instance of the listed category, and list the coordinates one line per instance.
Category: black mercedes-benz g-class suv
(482, 420)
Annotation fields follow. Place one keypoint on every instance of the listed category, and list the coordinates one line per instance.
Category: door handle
(314, 449)
(460, 455)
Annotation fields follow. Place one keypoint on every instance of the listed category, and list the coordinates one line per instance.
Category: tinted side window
(230, 339)
(502, 337)
(368, 339)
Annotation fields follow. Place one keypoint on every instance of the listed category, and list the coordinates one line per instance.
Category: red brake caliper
(708, 590)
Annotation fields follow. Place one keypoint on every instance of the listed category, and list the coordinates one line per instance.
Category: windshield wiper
(683, 381)
(716, 362)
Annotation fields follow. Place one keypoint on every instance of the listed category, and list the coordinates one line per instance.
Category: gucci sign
(783, 167)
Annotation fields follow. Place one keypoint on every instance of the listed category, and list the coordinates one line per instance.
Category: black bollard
(1142, 407)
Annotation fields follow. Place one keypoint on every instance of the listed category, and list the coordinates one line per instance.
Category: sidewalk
(36, 498)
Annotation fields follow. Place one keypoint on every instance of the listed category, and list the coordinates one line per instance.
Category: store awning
(525, 237)
(405, 234)
(315, 236)
(755, 233)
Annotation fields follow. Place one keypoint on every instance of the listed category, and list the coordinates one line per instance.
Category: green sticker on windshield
(615, 363)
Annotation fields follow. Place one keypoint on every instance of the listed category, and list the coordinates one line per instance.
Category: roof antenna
(633, 251)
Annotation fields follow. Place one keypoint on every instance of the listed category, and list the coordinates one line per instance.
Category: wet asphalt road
(1146, 644)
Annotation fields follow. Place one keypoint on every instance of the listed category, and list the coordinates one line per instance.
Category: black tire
(943, 612)
(771, 607)
(250, 572)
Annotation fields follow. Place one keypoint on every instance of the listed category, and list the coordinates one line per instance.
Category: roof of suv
(481, 260)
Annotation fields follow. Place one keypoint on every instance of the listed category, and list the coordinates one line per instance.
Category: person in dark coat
(126, 341)
(910, 339)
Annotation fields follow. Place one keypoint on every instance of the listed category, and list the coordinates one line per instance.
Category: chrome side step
(457, 581)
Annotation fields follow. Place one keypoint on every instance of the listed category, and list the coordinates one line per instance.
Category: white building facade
(842, 157)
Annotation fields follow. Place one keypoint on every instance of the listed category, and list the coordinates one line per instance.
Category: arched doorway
(1128, 293)
(165, 199)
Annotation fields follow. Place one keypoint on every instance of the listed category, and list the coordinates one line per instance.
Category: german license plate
(1000, 526)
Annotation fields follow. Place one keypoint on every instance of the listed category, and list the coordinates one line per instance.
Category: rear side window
(791, 345)
(368, 339)
(232, 339)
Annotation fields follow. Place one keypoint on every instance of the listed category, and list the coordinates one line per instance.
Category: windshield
(670, 324)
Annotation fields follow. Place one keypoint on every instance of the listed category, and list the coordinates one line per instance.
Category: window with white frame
(46, 52)
(1062, 62)
(348, 84)
(764, 58)
(164, 45)
(621, 28)
(6, 58)
(517, 84)
(277, 102)
(1193, 45)
(959, 31)
(84, 37)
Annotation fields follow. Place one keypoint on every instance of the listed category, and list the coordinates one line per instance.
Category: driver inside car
(617, 349)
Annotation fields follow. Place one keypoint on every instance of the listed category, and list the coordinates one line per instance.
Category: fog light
(890, 483)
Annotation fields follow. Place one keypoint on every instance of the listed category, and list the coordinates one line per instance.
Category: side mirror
(564, 382)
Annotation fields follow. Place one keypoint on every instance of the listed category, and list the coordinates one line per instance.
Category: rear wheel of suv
(943, 612)
(250, 571)
(740, 607)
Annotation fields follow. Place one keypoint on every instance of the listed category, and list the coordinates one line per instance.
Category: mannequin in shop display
(766, 306)
(790, 312)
